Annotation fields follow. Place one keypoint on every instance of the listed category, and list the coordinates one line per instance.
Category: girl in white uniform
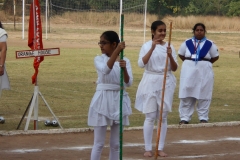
(4, 81)
(196, 79)
(152, 57)
(104, 107)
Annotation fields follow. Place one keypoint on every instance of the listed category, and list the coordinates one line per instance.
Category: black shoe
(183, 122)
(203, 121)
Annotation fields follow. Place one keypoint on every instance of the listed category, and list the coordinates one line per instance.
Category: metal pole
(49, 29)
(121, 93)
(24, 113)
(120, 18)
(145, 21)
(36, 86)
(23, 16)
(121, 85)
(31, 108)
(46, 11)
(14, 13)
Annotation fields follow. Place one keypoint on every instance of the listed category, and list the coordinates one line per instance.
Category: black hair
(155, 24)
(1, 26)
(111, 36)
(199, 24)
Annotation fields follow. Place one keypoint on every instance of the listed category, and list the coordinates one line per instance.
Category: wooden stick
(163, 91)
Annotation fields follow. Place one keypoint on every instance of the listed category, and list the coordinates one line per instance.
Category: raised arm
(112, 59)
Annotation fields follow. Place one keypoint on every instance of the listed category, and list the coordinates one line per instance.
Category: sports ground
(220, 141)
(65, 90)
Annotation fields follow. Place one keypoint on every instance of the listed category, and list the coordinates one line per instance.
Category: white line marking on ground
(202, 156)
(198, 156)
(25, 150)
(133, 144)
(192, 141)
(208, 141)
(76, 148)
(106, 146)
(79, 148)
(125, 145)
(232, 139)
(88, 147)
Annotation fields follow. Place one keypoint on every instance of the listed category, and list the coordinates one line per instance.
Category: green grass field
(67, 81)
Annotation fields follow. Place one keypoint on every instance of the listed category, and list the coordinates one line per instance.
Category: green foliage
(153, 6)
(159, 7)
(175, 7)
(234, 8)
(207, 7)
(100, 5)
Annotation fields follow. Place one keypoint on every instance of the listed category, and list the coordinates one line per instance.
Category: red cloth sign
(35, 35)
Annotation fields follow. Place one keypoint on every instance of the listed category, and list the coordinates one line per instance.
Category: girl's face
(199, 32)
(160, 33)
(106, 46)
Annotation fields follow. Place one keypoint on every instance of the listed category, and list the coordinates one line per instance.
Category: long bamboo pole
(162, 99)
(121, 93)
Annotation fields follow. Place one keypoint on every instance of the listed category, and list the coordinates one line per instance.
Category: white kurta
(196, 80)
(150, 87)
(104, 107)
(4, 81)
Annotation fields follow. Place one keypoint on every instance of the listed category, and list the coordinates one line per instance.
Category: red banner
(35, 35)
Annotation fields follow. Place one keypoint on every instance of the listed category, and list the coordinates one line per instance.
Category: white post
(120, 19)
(35, 94)
(46, 11)
(49, 17)
(23, 16)
(145, 21)
(14, 13)
(36, 90)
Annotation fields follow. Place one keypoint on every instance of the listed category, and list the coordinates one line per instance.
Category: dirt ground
(198, 142)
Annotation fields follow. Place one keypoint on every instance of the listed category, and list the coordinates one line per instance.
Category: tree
(167, 7)
(208, 7)
(234, 8)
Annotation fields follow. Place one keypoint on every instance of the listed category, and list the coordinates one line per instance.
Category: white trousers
(186, 108)
(149, 126)
(99, 140)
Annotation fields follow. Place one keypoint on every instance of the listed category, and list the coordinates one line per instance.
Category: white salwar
(104, 107)
(196, 82)
(151, 84)
(149, 92)
(4, 80)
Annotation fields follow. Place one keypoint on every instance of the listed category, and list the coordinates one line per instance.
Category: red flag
(35, 35)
